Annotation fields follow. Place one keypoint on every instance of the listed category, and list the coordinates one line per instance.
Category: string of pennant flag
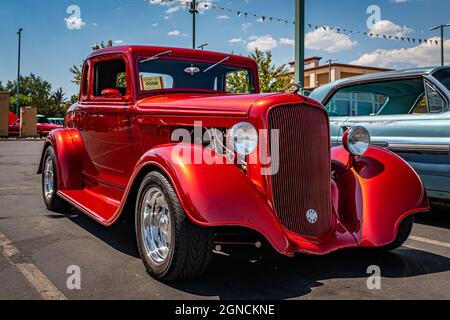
(208, 5)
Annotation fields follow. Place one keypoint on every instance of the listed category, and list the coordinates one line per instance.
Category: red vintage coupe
(43, 127)
(184, 141)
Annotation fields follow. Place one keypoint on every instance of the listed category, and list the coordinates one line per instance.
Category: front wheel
(403, 233)
(170, 245)
(50, 183)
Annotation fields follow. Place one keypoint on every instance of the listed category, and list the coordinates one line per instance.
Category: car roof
(134, 49)
(388, 75)
(323, 91)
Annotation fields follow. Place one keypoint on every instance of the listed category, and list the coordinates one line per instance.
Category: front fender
(215, 195)
(376, 194)
(66, 144)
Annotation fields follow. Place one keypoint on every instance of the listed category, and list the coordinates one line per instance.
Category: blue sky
(50, 48)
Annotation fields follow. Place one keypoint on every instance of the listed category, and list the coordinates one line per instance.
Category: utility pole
(300, 42)
(19, 33)
(441, 27)
(202, 46)
(194, 12)
(330, 64)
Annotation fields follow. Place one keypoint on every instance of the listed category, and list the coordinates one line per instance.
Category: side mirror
(112, 94)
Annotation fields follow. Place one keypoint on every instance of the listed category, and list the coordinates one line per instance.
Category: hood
(201, 104)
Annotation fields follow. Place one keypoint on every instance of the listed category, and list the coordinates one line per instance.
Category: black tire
(54, 202)
(404, 231)
(191, 246)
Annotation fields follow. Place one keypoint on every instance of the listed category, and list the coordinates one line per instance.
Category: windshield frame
(251, 70)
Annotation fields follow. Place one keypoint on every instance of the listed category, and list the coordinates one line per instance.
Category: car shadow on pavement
(440, 216)
(248, 273)
(276, 277)
(119, 236)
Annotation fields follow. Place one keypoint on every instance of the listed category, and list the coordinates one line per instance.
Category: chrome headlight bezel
(357, 140)
(243, 138)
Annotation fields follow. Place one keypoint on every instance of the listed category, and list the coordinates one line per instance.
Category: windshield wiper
(156, 56)
(215, 65)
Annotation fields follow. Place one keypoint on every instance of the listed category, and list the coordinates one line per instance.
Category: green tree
(78, 70)
(58, 103)
(36, 92)
(73, 99)
(271, 77)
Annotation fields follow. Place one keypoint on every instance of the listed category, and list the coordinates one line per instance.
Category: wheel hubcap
(156, 225)
(48, 179)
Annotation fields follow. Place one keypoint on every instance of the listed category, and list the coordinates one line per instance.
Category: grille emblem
(312, 216)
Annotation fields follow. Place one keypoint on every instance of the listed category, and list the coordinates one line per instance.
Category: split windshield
(167, 74)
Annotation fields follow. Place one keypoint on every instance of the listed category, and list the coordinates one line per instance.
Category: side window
(421, 106)
(85, 84)
(355, 104)
(110, 75)
(436, 103)
(380, 98)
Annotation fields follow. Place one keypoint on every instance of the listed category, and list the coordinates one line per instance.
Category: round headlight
(243, 138)
(357, 140)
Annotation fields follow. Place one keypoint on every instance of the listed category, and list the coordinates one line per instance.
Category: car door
(414, 122)
(111, 137)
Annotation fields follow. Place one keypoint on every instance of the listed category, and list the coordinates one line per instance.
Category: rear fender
(68, 146)
(376, 194)
(215, 195)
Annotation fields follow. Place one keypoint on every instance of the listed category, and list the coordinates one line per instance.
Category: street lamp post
(194, 12)
(19, 33)
(330, 66)
(300, 42)
(441, 27)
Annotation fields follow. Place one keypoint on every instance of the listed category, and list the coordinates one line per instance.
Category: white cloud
(174, 33)
(94, 24)
(263, 43)
(172, 10)
(423, 55)
(389, 28)
(118, 42)
(74, 22)
(328, 41)
(223, 17)
(399, 1)
(235, 40)
(247, 25)
(155, 24)
(203, 6)
(286, 41)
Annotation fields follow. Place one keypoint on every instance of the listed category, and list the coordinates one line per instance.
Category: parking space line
(17, 188)
(44, 287)
(429, 241)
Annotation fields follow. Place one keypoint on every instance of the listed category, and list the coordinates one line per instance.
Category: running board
(96, 205)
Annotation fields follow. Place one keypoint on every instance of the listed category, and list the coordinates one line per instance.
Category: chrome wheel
(156, 225)
(48, 178)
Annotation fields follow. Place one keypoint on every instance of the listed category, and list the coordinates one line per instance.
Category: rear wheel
(404, 231)
(170, 245)
(50, 182)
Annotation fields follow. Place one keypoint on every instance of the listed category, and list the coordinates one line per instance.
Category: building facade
(317, 74)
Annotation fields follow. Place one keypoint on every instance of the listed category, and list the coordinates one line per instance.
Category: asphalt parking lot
(38, 246)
